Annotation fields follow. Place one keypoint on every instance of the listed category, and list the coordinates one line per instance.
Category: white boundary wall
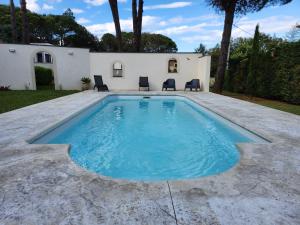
(71, 64)
(17, 68)
(153, 65)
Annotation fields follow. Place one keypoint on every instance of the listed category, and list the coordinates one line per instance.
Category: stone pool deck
(40, 184)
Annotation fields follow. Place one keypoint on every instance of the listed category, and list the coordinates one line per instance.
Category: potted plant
(86, 83)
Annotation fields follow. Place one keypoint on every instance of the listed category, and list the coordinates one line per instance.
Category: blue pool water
(161, 138)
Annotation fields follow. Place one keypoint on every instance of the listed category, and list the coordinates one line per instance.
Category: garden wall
(153, 65)
(69, 65)
(17, 66)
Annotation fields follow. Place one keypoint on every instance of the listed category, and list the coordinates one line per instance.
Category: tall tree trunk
(25, 26)
(137, 20)
(115, 13)
(229, 16)
(13, 22)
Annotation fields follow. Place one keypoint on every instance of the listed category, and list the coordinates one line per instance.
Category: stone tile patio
(40, 184)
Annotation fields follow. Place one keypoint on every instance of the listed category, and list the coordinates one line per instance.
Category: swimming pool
(150, 138)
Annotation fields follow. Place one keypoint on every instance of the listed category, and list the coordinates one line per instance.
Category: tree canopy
(60, 30)
(63, 30)
(244, 6)
(201, 49)
(149, 43)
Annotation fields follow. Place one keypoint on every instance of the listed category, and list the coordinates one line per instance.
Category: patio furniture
(99, 83)
(169, 84)
(144, 83)
(193, 84)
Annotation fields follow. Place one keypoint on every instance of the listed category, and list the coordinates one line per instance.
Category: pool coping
(217, 190)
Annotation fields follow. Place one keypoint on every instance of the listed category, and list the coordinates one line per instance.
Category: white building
(120, 71)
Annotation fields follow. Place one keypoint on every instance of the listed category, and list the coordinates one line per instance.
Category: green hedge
(276, 74)
(43, 76)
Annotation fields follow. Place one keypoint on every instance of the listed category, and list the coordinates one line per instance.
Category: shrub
(43, 76)
(85, 80)
(266, 67)
(4, 88)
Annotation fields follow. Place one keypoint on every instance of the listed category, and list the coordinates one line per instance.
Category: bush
(272, 71)
(43, 76)
(85, 80)
(4, 88)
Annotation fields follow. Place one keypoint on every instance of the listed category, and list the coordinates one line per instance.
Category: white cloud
(83, 20)
(206, 29)
(176, 30)
(95, 2)
(33, 6)
(54, 1)
(270, 25)
(278, 25)
(126, 25)
(99, 2)
(168, 6)
(77, 11)
(47, 7)
(206, 36)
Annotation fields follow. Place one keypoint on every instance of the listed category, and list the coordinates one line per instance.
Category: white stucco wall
(17, 68)
(155, 66)
(204, 71)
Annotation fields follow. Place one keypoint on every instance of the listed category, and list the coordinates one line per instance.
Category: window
(117, 69)
(172, 67)
(39, 57)
(43, 57)
(48, 58)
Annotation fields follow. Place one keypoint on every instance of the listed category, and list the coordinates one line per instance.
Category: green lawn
(283, 106)
(10, 100)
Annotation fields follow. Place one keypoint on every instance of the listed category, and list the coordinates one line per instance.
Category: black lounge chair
(144, 83)
(169, 84)
(99, 83)
(193, 84)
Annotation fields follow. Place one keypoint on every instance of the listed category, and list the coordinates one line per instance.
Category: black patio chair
(169, 84)
(193, 84)
(144, 83)
(99, 83)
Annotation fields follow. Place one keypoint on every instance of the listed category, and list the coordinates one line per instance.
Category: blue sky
(187, 22)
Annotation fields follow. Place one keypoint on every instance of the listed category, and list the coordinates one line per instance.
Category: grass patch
(10, 100)
(283, 106)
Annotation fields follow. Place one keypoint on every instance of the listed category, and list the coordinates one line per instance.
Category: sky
(187, 22)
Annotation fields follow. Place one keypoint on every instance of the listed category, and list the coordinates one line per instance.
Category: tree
(53, 29)
(69, 14)
(115, 13)
(201, 49)
(13, 21)
(214, 53)
(149, 43)
(232, 7)
(158, 43)
(137, 18)
(254, 64)
(108, 43)
(294, 33)
(25, 26)
(64, 26)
